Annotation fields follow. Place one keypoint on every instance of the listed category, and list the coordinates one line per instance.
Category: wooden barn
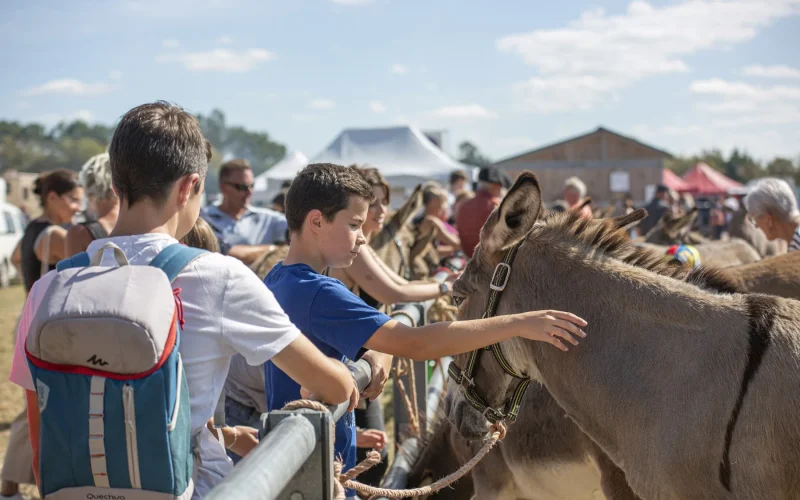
(610, 164)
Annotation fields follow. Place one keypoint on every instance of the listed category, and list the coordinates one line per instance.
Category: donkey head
(671, 229)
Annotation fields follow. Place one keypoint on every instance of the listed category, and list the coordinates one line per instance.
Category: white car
(12, 226)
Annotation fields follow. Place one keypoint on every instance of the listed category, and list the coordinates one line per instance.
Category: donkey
(774, 276)
(546, 455)
(393, 243)
(632, 384)
(673, 229)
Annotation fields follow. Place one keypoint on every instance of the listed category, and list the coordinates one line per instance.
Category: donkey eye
(458, 300)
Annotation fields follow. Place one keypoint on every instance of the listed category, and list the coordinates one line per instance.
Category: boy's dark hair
(458, 175)
(231, 166)
(59, 181)
(325, 187)
(153, 146)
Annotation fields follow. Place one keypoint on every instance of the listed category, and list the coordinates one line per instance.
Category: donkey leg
(612, 478)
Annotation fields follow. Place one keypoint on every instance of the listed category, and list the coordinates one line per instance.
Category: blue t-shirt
(335, 320)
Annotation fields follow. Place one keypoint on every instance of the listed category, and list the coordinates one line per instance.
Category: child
(326, 207)
(159, 159)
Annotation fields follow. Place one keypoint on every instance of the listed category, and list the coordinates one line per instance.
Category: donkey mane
(609, 240)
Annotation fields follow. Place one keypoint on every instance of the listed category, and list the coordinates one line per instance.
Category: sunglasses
(241, 187)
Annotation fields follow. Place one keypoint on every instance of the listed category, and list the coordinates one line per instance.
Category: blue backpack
(114, 404)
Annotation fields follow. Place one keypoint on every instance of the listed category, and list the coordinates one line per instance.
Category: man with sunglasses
(243, 231)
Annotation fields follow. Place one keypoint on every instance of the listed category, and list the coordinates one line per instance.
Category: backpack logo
(42, 393)
(97, 361)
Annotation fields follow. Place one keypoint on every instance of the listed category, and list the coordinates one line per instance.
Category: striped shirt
(795, 243)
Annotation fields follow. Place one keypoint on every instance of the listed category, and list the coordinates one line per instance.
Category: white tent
(268, 184)
(403, 154)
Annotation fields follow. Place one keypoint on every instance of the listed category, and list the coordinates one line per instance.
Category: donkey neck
(650, 340)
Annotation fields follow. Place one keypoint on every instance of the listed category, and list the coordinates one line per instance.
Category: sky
(507, 75)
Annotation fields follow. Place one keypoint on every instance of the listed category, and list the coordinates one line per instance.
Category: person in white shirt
(159, 159)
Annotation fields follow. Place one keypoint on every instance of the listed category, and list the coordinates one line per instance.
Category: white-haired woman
(574, 193)
(772, 207)
(103, 205)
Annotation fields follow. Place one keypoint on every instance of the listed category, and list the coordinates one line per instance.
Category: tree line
(32, 147)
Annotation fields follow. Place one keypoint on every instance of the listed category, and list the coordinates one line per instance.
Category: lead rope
(347, 480)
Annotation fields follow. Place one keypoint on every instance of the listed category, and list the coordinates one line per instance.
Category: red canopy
(704, 180)
(672, 181)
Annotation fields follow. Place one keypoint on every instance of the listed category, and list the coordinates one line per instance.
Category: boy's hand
(370, 438)
(353, 397)
(246, 438)
(551, 326)
(381, 367)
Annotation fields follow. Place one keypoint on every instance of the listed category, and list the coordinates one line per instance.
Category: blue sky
(508, 75)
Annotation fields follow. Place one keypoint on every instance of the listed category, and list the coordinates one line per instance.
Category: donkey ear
(625, 221)
(515, 217)
(585, 202)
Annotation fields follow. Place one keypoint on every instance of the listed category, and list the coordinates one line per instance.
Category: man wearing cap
(656, 209)
(472, 214)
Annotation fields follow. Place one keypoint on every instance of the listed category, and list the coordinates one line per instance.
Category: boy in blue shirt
(325, 208)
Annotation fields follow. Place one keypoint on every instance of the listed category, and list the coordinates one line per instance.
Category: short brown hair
(375, 178)
(201, 236)
(59, 181)
(153, 146)
(231, 166)
(325, 187)
(458, 175)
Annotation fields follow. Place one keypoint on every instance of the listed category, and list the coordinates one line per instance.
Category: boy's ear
(186, 187)
(314, 220)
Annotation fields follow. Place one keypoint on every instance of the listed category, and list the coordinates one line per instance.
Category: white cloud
(221, 60)
(598, 53)
(352, 2)
(398, 69)
(51, 119)
(23, 105)
(115, 75)
(466, 111)
(779, 71)
(739, 104)
(170, 44)
(322, 104)
(377, 107)
(68, 86)
(224, 40)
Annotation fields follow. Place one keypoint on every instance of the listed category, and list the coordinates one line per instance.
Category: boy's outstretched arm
(449, 338)
(327, 378)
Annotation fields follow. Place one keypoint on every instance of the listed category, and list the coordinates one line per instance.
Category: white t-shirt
(227, 310)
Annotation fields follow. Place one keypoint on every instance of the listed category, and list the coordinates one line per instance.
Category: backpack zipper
(130, 436)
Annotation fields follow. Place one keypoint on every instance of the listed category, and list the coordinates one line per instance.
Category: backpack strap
(96, 229)
(78, 260)
(174, 258)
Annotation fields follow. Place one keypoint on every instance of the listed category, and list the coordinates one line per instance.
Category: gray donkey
(693, 394)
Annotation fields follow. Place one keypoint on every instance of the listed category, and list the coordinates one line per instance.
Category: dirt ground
(12, 398)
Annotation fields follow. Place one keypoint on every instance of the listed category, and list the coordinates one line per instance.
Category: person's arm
(32, 402)
(326, 378)
(58, 238)
(16, 256)
(249, 253)
(449, 338)
(368, 274)
(78, 239)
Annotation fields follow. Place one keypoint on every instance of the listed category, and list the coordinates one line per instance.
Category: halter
(464, 378)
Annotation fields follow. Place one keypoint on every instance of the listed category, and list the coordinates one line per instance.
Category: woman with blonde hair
(103, 205)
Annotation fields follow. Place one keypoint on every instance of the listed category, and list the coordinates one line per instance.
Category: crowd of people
(263, 343)
(258, 345)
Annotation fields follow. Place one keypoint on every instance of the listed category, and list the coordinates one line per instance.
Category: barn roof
(596, 131)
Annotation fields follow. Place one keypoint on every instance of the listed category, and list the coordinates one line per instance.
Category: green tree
(471, 155)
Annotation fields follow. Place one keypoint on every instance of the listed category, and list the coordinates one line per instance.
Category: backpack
(113, 399)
